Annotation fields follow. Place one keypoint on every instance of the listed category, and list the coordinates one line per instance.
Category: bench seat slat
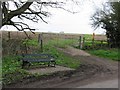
(38, 60)
(27, 58)
(33, 55)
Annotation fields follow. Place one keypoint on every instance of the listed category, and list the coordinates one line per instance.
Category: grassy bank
(100, 49)
(11, 69)
(105, 53)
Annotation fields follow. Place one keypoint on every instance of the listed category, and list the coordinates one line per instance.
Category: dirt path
(74, 52)
(103, 84)
(92, 70)
(48, 70)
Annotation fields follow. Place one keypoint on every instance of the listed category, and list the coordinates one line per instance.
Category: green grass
(106, 53)
(11, 67)
(62, 43)
(12, 72)
(51, 48)
(98, 50)
(0, 72)
(61, 58)
(68, 61)
(30, 42)
(88, 37)
(89, 42)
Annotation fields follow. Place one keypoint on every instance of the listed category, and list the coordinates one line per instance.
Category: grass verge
(11, 67)
(11, 70)
(106, 53)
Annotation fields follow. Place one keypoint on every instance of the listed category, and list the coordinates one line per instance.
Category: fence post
(9, 36)
(93, 40)
(26, 47)
(40, 40)
(83, 41)
(101, 43)
(26, 50)
(80, 39)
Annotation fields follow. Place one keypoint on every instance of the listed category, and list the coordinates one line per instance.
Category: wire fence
(12, 41)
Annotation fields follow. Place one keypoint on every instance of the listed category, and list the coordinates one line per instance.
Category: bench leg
(48, 64)
(54, 64)
(29, 64)
(25, 63)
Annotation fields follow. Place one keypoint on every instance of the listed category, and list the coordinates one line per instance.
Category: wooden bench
(29, 58)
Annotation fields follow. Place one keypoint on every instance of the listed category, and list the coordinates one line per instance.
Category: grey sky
(67, 22)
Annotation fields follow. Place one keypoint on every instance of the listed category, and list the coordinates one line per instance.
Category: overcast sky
(63, 21)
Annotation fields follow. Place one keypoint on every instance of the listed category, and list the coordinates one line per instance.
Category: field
(14, 39)
(16, 43)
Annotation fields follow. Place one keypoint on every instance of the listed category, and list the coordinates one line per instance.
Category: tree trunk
(0, 14)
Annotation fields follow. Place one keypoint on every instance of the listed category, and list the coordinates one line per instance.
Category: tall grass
(106, 53)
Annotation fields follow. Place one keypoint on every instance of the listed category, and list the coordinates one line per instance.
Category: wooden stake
(40, 40)
(9, 36)
(83, 41)
(80, 42)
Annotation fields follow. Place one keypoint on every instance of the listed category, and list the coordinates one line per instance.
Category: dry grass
(17, 35)
(21, 35)
(100, 37)
(46, 36)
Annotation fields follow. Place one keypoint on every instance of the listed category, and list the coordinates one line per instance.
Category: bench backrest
(37, 56)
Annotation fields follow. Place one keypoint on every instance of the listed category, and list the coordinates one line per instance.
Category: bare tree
(33, 11)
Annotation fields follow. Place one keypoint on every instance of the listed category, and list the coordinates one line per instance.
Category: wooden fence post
(93, 40)
(9, 36)
(83, 41)
(40, 40)
(25, 45)
(80, 39)
(101, 43)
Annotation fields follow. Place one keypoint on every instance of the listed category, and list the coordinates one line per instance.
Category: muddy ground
(92, 69)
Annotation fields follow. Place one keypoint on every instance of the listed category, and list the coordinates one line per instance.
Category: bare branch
(60, 7)
(16, 4)
(32, 19)
(33, 11)
(42, 18)
(37, 13)
(21, 9)
(26, 34)
(47, 3)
